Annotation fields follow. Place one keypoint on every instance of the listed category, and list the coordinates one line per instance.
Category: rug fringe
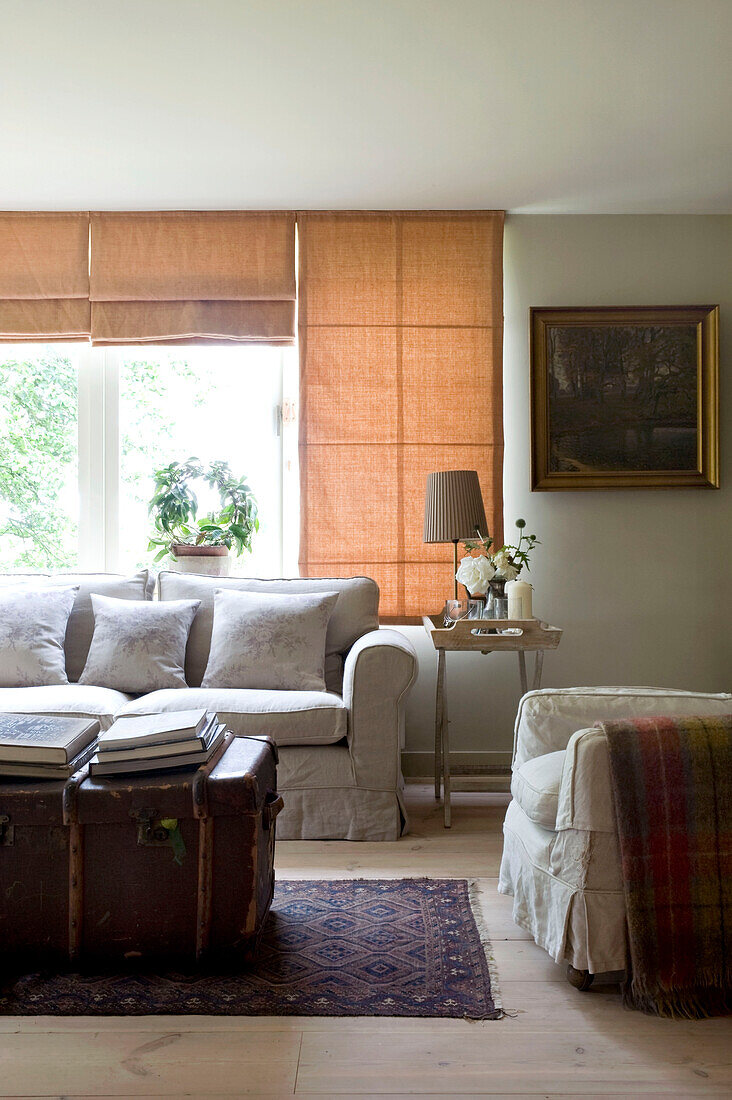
(474, 891)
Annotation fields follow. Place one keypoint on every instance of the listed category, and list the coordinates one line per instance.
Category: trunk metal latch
(157, 832)
(150, 830)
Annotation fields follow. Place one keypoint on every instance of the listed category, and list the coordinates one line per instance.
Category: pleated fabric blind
(193, 277)
(44, 276)
(400, 329)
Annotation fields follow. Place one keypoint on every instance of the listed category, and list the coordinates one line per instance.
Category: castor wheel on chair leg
(580, 979)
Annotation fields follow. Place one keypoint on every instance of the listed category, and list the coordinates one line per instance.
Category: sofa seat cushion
(288, 717)
(535, 786)
(65, 700)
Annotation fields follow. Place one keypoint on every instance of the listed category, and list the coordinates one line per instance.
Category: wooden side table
(535, 636)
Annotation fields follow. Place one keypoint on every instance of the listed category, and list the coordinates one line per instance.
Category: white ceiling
(591, 106)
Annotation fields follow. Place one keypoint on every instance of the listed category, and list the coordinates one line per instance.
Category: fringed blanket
(672, 782)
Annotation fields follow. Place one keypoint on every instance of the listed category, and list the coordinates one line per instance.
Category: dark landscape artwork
(618, 400)
(622, 397)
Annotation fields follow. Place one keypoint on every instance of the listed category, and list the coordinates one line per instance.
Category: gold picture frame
(624, 398)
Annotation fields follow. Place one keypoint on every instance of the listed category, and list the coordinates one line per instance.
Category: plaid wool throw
(672, 783)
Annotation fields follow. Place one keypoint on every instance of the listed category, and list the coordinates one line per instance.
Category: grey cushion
(269, 640)
(535, 786)
(65, 700)
(356, 611)
(33, 620)
(137, 645)
(139, 586)
(289, 717)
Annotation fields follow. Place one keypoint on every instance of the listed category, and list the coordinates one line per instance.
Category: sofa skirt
(322, 800)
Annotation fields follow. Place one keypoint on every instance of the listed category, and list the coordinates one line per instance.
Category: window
(39, 514)
(82, 429)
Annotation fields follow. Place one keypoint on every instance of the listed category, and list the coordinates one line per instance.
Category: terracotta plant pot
(211, 561)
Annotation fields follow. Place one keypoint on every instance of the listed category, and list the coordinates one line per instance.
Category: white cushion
(81, 622)
(289, 717)
(535, 786)
(138, 646)
(269, 640)
(32, 629)
(356, 612)
(65, 700)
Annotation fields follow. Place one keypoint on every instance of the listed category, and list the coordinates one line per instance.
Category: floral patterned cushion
(33, 622)
(269, 640)
(138, 646)
(356, 613)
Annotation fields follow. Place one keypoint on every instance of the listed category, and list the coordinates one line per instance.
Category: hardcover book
(154, 729)
(99, 766)
(148, 751)
(48, 771)
(40, 739)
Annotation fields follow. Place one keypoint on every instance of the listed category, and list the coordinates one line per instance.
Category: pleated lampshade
(453, 506)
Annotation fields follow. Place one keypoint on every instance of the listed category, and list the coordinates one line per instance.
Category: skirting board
(470, 771)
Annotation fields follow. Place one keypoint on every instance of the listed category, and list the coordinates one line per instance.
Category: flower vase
(496, 591)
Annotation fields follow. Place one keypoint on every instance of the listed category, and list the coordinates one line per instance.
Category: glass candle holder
(499, 607)
(455, 610)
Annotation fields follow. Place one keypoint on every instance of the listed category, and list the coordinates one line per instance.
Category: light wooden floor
(559, 1043)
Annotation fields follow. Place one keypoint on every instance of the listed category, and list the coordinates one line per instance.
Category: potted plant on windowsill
(201, 545)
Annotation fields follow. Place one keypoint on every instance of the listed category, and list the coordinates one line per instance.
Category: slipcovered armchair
(561, 857)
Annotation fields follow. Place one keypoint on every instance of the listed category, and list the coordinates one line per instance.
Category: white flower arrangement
(504, 568)
(476, 573)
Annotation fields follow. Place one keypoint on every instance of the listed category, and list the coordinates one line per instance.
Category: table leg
(522, 671)
(439, 690)
(538, 665)
(445, 747)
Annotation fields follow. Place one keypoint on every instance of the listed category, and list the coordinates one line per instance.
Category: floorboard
(556, 1043)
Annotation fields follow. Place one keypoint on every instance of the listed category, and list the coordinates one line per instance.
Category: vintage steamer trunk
(175, 865)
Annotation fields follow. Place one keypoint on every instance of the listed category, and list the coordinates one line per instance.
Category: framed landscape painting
(624, 398)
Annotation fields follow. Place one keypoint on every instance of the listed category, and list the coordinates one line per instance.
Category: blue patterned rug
(365, 947)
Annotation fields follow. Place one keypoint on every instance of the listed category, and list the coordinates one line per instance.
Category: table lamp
(453, 509)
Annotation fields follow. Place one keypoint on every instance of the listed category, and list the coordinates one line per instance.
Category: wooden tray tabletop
(534, 635)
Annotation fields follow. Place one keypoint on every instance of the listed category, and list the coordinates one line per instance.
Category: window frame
(99, 467)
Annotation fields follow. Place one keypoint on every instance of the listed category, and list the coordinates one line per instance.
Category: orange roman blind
(193, 277)
(44, 276)
(400, 329)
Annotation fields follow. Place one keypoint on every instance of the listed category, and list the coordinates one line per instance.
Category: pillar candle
(519, 599)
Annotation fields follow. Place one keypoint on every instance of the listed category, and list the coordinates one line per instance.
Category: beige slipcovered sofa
(561, 859)
(340, 749)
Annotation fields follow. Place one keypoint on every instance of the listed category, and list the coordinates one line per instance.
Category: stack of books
(155, 742)
(34, 746)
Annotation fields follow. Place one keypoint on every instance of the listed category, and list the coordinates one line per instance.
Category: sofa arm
(547, 719)
(379, 671)
(585, 790)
